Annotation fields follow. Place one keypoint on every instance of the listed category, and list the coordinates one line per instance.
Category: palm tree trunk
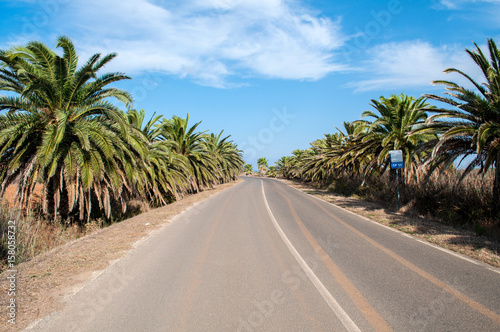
(50, 200)
(496, 187)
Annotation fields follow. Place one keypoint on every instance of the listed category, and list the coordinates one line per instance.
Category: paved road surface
(262, 256)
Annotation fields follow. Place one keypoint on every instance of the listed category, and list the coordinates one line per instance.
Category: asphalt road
(262, 256)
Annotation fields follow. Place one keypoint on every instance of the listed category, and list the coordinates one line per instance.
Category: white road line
(430, 244)
(327, 296)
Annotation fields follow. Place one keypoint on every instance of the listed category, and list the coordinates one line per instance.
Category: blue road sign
(397, 165)
(396, 159)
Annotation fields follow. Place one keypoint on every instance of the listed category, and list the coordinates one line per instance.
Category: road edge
(41, 297)
(431, 244)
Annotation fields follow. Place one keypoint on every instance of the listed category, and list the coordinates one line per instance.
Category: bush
(346, 185)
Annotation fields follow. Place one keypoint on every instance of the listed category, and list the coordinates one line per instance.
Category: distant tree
(332, 155)
(248, 168)
(284, 166)
(225, 152)
(190, 144)
(262, 164)
(272, 171)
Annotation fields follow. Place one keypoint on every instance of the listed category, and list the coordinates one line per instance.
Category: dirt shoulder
(42, 283)
(462, 241)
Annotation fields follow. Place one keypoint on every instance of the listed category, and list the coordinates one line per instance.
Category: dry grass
(463, 204)
(33, 235)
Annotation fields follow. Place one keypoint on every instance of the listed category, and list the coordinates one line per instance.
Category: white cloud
(414, 64)
(214, 42)
(478, 13)
(456, 4)
(448, 4)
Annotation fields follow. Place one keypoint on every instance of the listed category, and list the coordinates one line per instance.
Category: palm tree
(284, 167)
(272, 172)
(189, 144)
(229, 158)
(61, 130)
(393, 128)
(472, 126)
(165, 175)
(248, 169)
(333, 154)
(262, 164)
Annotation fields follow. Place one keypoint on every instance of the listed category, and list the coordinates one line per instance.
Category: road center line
(462, 297)
(330, 300)
(371, 315)
(297, 294)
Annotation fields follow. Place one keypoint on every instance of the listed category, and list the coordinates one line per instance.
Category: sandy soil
(42, 284)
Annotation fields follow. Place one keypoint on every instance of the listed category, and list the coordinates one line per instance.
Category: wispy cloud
(456, 4)
(479, 14)
(213, 42)
(413, 64)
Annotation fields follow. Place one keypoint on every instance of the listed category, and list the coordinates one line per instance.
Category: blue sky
(273, 74)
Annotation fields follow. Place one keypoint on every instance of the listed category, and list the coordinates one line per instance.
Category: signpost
(397, 163)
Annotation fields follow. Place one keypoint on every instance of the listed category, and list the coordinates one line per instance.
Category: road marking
(298, 293)
(432, 245)
(371, 315)
(464, 298)
(330, 300)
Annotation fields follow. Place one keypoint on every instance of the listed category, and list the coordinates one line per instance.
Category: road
(263, 256)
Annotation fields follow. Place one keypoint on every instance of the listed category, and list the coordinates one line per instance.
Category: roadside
(462, 241)
(42, 284)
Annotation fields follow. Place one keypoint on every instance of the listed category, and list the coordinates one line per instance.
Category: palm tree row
(60, 129)
(430, 138)
(364, 146)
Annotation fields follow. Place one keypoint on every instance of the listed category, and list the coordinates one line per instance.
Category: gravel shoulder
(459, 240)
(43, 283)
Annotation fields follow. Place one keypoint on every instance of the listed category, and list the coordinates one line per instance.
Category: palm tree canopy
(225, 152)
(472, 126)
(60, 128)
(262, 162)
(394, 128)
(189, 143)
(248, 168)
